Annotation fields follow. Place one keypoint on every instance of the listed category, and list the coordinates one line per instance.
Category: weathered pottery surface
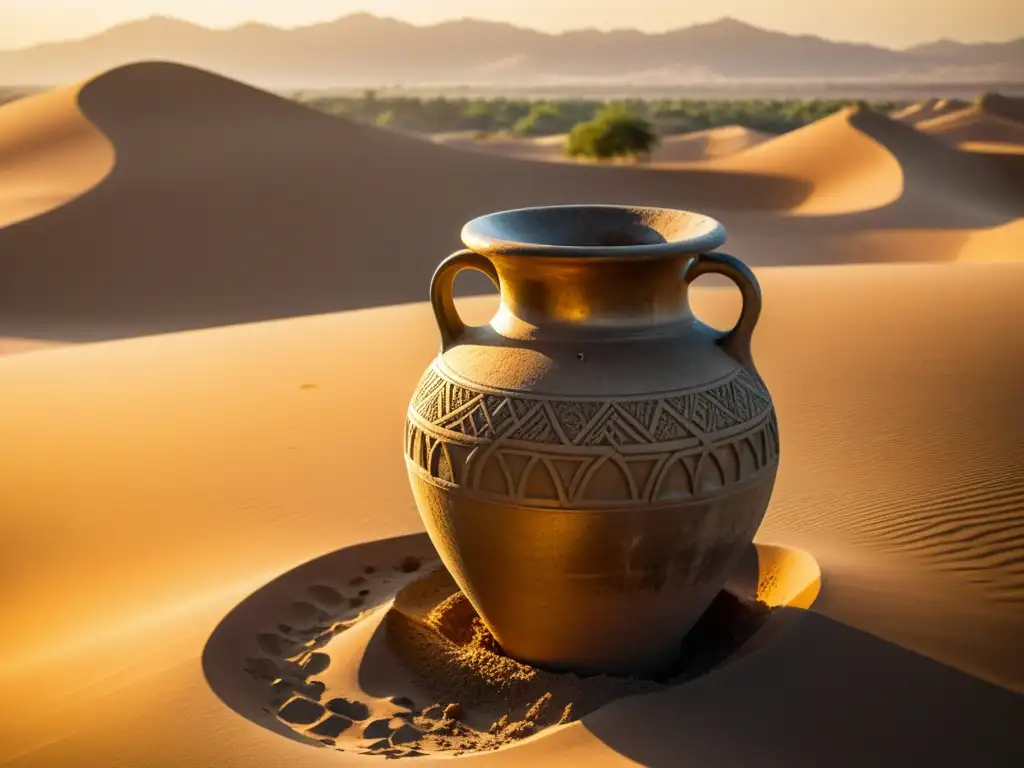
(595, 451)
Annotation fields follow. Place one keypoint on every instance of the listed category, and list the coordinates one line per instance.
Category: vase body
(591, 465)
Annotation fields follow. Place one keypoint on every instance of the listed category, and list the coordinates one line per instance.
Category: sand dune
(49, 154)
(858, 159)
(546, 148)
(152, 485)
(974, 124)
(678, 148)
(708, 145)
(227, 204)
(207, 530)
(927, 109)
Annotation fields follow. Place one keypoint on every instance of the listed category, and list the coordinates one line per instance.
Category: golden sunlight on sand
(206, 526)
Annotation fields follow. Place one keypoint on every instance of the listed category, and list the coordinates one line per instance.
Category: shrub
(612, 133)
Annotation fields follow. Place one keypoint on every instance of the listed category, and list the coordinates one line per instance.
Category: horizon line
(463, 19)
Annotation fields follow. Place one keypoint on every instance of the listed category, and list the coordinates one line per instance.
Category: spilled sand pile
(437, 650)
(453, 656)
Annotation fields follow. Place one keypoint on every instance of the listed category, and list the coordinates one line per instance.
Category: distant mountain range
(362, 49)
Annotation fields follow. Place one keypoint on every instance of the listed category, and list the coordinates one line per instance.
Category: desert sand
(974, 124)
(680, 148)
(927, 109)
(188, 512)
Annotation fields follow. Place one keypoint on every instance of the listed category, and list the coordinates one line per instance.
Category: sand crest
(297, 209)
(691, 147)
(49, 154)
(926, 110)
(974, 124)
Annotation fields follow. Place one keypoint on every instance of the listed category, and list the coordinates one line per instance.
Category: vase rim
(593, 231)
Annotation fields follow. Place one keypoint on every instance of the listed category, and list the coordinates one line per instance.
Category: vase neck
(571, 296)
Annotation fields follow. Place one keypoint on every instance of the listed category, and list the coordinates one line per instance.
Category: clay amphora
(592, 463)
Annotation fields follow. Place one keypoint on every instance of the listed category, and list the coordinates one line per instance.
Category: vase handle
(448, 321)
(736, 342)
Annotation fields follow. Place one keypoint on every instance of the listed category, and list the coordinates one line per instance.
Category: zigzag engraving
(582, 453)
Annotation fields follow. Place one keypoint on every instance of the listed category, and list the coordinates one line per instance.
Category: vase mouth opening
(593, 231)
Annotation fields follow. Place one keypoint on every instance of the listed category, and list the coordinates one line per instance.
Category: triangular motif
(608, 482)
(521, 407)
(570, 472)
(457, 397)
(755, 390)
(642, 411)
(642, 471)
(669, 428)
(747, 453)
(674, 481)
(710, 474)
(735, 398)
(684, 405)
(443, 467)
(574, 416)
(471, 422)
(433, 409)
(611, 429)
(459, 455)
(722, 402)
(412, 442)
(428, 388)
(702, 416)
(493, 477)
(535, 429)
(541, 484)
(515, 465)
(499, 411)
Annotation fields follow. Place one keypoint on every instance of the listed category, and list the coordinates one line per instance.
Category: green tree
(612, 133)
(544, 119)
(480, 115)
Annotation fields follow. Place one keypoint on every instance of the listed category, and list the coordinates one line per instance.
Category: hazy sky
(887, 22)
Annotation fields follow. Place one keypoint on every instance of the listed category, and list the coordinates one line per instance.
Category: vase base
(377, 639)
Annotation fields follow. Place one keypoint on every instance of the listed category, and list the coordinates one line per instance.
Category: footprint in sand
(393, 726)
(327, 596)
(302, 615)
(299, 711)
(332, 727)
(275, 645)
(315, 664)
(409, 564)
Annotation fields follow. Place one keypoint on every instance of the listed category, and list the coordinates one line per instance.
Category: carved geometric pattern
(565, 453)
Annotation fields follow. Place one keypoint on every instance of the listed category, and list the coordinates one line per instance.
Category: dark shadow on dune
(947, 193)
(264, 658)
(943, 187)
(805, 691)
(228, 204)
(242, 655)
(826, 695)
